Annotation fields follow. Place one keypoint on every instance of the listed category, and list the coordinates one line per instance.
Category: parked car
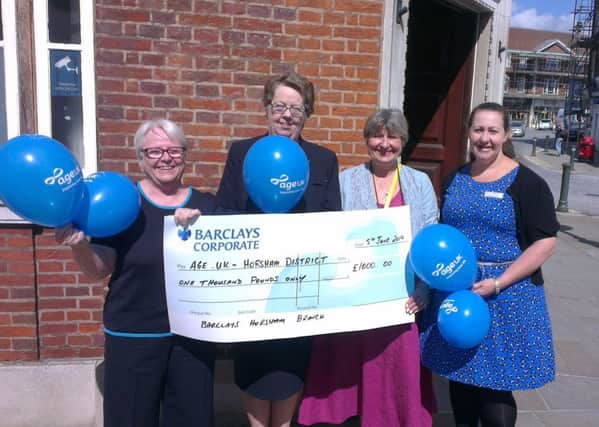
(517, 128)
(545, 124)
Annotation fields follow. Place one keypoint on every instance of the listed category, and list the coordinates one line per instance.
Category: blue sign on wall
(65, 72)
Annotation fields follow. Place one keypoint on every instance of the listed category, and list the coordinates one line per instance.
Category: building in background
(577, 110)
(586, 18)
(537, 74)
(553, 75)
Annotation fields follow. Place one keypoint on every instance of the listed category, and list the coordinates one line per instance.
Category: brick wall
(69, 304)
(48, 309)
(201, 64)
(18, 323)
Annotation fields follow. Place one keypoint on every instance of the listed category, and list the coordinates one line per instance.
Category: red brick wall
(69, 304)
(18, 320)
(48, 309)
(201, 64)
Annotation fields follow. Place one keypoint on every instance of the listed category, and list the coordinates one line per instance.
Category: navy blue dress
(276, 369)
(517, 353)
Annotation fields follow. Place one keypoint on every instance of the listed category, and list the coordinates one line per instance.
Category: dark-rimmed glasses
(157, 152)
(296, 111)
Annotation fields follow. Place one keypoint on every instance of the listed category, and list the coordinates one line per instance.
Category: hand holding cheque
(256, 277)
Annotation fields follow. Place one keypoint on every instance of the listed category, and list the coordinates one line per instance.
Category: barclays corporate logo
(64, 180)
(285, 184)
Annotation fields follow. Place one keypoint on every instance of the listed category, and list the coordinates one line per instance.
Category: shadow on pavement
(566, 230)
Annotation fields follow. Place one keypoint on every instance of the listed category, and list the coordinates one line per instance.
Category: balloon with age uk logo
(463, 319)
(444, 258)
(111, 203)
(275, 173)
(40, 180)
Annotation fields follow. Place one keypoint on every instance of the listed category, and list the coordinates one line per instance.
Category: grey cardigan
(357, 193)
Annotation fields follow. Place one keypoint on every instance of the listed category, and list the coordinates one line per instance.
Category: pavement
(573, 398)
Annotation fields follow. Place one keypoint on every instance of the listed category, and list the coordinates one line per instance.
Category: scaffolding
(579, 72)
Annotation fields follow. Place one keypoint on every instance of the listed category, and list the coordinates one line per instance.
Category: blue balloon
(463, 319)
(111, 204)
(276, 173)
(40, 180)
(444, 258)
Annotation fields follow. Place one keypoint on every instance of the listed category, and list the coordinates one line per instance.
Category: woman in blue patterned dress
(507, 212)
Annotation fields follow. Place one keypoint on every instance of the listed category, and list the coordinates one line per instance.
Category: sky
(553, 15)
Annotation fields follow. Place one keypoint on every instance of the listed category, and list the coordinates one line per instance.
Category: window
(552, 64)
(64, 69)
(550, 87)
(65, 76)
(521, 84)
(9, 93)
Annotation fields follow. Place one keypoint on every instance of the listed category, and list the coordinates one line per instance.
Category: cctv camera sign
(65, 72)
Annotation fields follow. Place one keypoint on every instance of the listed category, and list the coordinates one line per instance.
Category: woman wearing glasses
(271, 373)
(144, 363)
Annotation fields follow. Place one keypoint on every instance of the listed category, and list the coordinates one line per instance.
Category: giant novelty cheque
(256, 277)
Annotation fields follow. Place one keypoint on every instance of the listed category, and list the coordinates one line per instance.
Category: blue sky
(554, 15)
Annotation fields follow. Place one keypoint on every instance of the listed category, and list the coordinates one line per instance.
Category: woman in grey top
(375, 374)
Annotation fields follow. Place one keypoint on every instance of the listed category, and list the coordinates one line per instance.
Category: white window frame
(88, 84)
(11, 74)
(11, 69)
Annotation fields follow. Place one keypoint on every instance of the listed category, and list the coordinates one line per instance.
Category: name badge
(493, 195)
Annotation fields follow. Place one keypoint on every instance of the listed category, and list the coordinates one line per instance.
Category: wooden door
(440, 58)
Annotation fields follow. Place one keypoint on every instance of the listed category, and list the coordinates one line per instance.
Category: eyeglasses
(157, 152)
(382, 136)
(296, 111)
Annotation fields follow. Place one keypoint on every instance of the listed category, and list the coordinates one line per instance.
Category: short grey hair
(390, 119)
(172, 130)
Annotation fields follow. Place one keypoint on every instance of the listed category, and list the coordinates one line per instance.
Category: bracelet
(496, 284)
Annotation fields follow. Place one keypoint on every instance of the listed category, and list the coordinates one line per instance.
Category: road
(583, 191)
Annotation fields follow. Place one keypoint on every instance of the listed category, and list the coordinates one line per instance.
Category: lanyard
(394, 184)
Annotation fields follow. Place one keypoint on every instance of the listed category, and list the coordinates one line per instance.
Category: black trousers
(471, 404)
(151, 382)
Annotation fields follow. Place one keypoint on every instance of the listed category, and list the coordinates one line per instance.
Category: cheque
(256, 277)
